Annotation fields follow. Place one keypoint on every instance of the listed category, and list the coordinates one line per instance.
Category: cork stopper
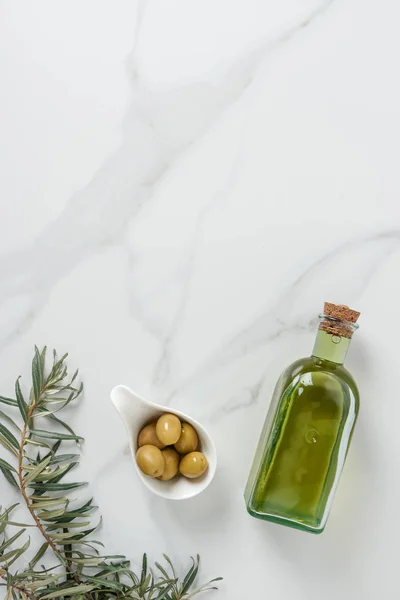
(339, 319)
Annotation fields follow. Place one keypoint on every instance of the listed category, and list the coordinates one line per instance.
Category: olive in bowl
(181, 457)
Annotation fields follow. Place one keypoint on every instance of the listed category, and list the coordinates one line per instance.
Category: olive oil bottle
(307, 431)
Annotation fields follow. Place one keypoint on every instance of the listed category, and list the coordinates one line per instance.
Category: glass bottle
(307, 432)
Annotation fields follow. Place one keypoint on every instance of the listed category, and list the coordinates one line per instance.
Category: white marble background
(183, 183)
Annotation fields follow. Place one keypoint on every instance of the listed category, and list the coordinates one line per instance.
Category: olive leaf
(37, 373)
(11, 439)
(5, 465)
(21, 402)
(9, 476)
(8, 419)
(8, 401)
(39, 554)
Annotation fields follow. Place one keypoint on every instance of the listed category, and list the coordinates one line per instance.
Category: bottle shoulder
(312, 365)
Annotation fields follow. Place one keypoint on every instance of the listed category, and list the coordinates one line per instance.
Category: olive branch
(80, 571)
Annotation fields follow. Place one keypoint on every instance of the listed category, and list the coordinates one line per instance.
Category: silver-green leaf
(55, 435)
(56, 487)
(19, 552)
(9, 401)
(72, 591)
(37, 374)
(9, 420)
(11, 540)
(37, 470)
(9, 476)
(21, 402)
(6, 465)
(9, 436)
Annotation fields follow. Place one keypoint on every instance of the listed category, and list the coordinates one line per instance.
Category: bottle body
(303, 444)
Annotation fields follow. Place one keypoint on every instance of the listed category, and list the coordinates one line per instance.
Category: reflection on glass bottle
(307, 432)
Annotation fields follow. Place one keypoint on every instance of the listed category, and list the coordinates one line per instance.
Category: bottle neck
(331, 347)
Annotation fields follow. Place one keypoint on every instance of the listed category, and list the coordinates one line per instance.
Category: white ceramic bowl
(136, 412)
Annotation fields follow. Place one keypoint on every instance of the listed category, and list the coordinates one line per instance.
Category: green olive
(188, 441)
(168, 429)
(150, 460)
(148, 436)
(193, 465)
(171, 458)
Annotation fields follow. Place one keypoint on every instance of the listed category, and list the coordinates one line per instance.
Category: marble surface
(182, 185)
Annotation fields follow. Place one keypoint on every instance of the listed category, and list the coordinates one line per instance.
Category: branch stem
(22, 484)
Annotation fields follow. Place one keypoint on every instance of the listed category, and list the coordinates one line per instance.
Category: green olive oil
(307, 432)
